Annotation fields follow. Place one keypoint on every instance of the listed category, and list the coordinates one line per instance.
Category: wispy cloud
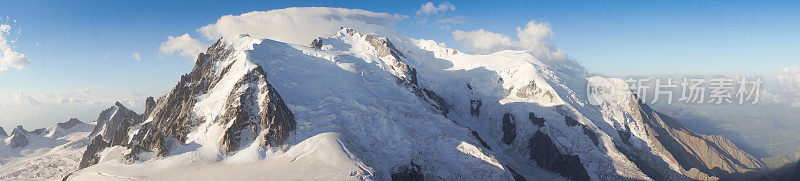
(136, 56)
(183, 45)
(299, 25)
(430, 8)
(430, 14)
(452, 20)
(9, 58)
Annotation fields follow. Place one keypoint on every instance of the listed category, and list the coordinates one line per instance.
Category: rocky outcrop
(112, 129)
(114, 123)
(570, 121)
(3, 132)
(483, 143)
(39, 131)
(64, 128)
(536, 120)
(269, 118)
(149, 105)
(713, 155)
(385, 50)
(475, 107)
(395, 61)
(591, 134)
(517, 176)
(18, 138)
(530, 91)
(547, 156)
(317, 43)
(90, 156)
(410, 172)
(172, 115)
(69, 124)
(253, 111)
(509, 128)
(440, 103)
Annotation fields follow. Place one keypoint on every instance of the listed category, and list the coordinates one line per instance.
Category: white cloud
(789, 78)
(482, 41)
(20, 98)
(136, 56)
(429, 8)
(299, 25)
(532, 38)
(8, 57)
(184, 45)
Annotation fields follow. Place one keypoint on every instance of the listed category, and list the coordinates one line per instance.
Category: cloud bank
(8, 57)
(20, 98)
(532, 38)
(183, 45)
(297, 25)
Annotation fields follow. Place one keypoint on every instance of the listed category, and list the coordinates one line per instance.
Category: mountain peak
(118, 104)
(361, 99)
(69, 124)
(18, 138)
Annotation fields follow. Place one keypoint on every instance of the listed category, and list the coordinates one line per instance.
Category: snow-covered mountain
(377, 105)
(48, 154)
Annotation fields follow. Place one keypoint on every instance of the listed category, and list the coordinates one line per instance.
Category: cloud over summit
(531, 38)
(298, 25)
(183, 45)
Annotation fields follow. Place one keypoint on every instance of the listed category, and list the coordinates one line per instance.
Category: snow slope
(49, 156)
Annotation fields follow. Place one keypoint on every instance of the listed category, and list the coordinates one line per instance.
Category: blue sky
(86, 47)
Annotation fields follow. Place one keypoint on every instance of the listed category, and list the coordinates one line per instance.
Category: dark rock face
(114, 122)
(570, 121)
(548, 157)
(39, 131)
(411, 172)
(249, 115)
(535, 120)
(90, 156)
(69, 124)
(3, 132)
(149, 105)
(172, 115)
(383, 47)
(796, 175)
(112, 129)
(475, 107)
(517, 176)
(713, 155)
(509, 128)
(317, 43)
(441, 104)
(593, 136)
(483, 143)
(19, 137)
(275, 121)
